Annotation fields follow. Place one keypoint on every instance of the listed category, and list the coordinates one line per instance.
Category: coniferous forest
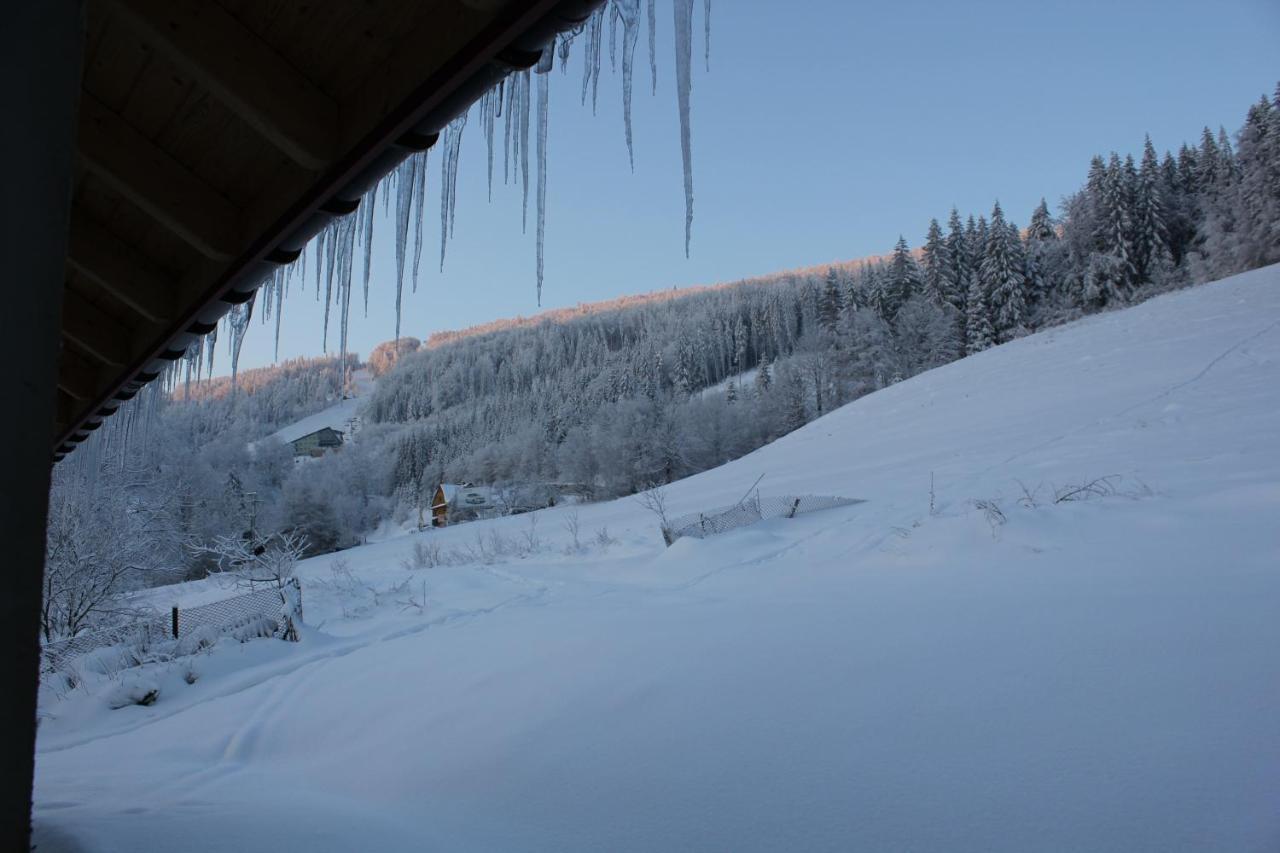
(617, 398)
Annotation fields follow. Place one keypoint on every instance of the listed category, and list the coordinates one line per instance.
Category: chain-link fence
(183, 630)
(700, 525)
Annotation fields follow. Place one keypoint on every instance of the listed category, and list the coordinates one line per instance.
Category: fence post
(175, 621)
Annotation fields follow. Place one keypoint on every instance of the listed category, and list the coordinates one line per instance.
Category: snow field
(1096, 674)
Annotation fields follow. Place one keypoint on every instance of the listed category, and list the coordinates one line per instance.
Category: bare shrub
(655, 501)
(532, 544)
(414, 601)
(1030, 497)
(1102, 487)
(994, 515)
(425, 555)
(573, 526)
(603, 539)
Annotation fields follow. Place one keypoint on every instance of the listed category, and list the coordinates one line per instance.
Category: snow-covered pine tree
(1151, 235)
(764, 378)
(830, 303)
(1117, 231)
(1257, 189)
(979, 334)
(957, 272)
(1043, 255)
(937, 266)
(1041, 229)
(903, 279)
(1003, 276)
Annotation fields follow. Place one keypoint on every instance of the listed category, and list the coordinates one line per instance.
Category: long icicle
(449, 179)
(367, 207)
(684, 51)
(629, 12)
(404, 180)
(278, 284)
(420, 209)
(488, 121)
(544, 98)
(525, 83)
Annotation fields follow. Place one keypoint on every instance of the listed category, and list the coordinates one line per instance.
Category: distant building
(451, 502)
(317, 443)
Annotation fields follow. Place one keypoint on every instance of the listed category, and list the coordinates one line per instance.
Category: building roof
(217, 137)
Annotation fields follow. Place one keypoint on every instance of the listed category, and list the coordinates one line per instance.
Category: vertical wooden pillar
(41, 45)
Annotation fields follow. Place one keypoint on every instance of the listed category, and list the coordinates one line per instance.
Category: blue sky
(822, 131)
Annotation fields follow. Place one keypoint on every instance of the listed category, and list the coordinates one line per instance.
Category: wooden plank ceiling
(216, 136)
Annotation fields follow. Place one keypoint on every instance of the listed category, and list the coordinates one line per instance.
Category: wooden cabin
(451, 503)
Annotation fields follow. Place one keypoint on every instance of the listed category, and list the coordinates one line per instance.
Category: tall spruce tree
(830, 303)
(935, 285)
(903, 279)
(958, 255)
(1003, 275)
(1152, 260)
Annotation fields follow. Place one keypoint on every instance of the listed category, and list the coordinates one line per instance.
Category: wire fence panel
(700, 525)
(143, 633)
(229, 611)
(253, 614)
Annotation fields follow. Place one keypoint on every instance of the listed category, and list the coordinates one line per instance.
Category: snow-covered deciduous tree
(258, 561)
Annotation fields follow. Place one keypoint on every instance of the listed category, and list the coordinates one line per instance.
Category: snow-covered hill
(1096, 674)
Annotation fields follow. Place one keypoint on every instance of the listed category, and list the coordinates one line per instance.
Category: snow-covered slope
(1099, 675)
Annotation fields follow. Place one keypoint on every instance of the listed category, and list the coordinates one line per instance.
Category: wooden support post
(175, 622)
(41, 47)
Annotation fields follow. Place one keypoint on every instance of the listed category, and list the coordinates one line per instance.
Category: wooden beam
(242, 71)
(67, 408)
(103, 337)
(163, 188)
(433, 41)
(120, 269)
(78, 376)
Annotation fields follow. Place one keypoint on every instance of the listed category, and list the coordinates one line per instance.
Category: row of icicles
(333, 250)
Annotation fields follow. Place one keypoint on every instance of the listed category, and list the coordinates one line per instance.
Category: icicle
(346, 240)
(331, 263)
(509, 85)
(488, 120)
(449, 179)
(629, 12)
(653, 43)
(684, 49)
(279, 284)
(404, 197)
(238, 322)
(210, 345)
(613, 36)
(591, 56)
(544, 97)
(565, 43)
(706, 33)
(524, 145)
(420, 207)
(189, 359)
(366, 229)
